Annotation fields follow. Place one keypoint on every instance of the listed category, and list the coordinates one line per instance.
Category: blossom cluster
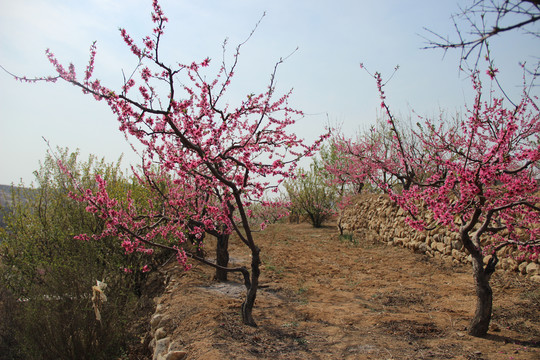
(477, 175)
(203, 160)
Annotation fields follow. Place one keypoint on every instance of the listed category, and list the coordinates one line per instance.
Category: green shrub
(311, 195)
(51, 274)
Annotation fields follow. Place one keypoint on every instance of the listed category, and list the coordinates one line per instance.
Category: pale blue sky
(333, 37)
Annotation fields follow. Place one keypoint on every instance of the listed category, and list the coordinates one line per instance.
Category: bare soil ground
(326, 298)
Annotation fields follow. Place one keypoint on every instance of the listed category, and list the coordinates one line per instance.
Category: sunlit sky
(332, 37)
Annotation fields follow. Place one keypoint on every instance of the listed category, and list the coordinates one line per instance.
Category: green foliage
(311, 195)
(348, 238)
(336, 169)
(51, 274)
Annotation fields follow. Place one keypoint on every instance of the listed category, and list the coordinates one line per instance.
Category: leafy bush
(311, 196)
(51, 274)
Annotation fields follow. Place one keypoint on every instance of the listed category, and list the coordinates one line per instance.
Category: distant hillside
(5, 195)
(5, 201)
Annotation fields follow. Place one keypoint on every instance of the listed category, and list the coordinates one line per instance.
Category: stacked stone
(161, 345)
(376, 216)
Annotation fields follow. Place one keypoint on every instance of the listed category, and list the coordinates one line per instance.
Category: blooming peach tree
(374, 158)
(205, 161)
(340, 163)
(477, 176)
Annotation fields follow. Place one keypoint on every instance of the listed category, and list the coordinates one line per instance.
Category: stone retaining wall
(377, 216)
(162, 343)
(162, 346)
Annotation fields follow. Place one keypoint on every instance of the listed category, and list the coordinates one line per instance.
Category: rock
(510, 264)
(448, 250)
(440, 247)
(161, 348)
(536, 278)
(175, 346)
(155, 320)
(165, 322)
(447, 240)
(176, 355)
(160, 333)
(532, 269)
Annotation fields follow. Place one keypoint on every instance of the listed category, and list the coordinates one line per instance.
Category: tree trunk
(222, 256)
(484, 302)
(339, 225)
(247, 306)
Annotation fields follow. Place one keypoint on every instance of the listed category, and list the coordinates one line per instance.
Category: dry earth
(326, 298)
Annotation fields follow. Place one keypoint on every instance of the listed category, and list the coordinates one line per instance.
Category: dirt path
(329, 299)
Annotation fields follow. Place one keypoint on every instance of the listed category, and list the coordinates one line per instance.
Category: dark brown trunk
(484, 295)
(340, 223)
(222, 256)
(247, 306)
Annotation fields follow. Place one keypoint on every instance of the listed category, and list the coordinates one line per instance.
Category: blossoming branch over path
(204, 161)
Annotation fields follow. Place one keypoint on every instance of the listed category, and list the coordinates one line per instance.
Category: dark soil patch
(412, 330)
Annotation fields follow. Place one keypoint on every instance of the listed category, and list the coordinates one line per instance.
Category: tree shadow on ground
(508, 340)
